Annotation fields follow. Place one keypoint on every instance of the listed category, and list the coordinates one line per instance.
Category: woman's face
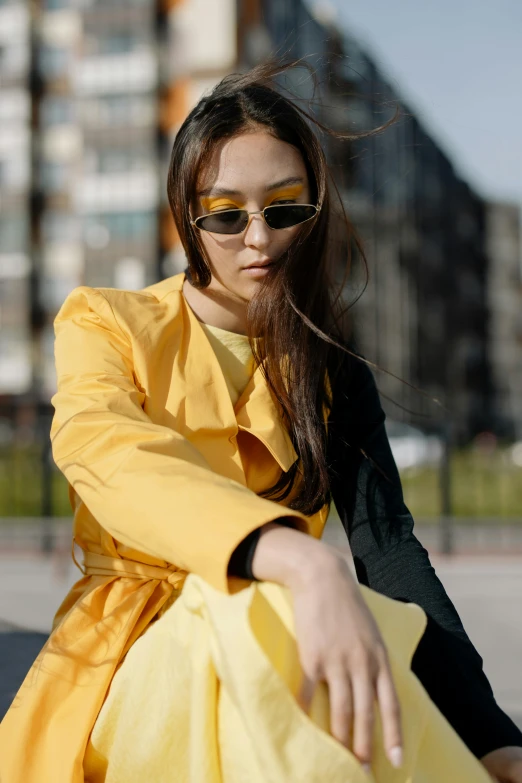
(249, 171)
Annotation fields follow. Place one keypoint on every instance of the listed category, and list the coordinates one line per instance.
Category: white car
(411, 447)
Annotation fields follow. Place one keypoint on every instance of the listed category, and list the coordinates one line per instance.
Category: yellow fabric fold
(208, 694)
(102, 565)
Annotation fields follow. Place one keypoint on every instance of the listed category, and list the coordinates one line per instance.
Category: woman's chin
(247, 288)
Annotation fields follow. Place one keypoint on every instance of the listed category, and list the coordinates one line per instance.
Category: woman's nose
(257, 233)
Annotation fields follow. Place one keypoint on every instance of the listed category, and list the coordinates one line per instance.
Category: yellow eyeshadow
(208, 203)
(291, 191)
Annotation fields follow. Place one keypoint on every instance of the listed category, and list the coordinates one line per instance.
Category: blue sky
(458, 63)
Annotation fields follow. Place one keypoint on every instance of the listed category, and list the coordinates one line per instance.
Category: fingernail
(395, 756)
(366, 768)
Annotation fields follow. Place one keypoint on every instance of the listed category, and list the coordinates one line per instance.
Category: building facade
(505, 307)
(92, 93)
(16, 140)
(426, 312)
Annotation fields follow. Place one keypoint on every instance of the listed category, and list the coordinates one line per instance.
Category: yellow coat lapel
(210, 421)
(257, 413)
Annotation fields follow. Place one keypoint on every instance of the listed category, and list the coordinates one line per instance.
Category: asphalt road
(18, 649)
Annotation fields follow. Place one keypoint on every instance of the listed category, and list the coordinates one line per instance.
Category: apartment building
(505, 307)
(92, 93)
(15, 199)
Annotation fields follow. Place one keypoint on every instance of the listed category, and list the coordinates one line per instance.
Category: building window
(116, 43)
(123, 226)
(53, 176)
(53, 61)
(57, 110)
(118, 110)
(60, 227)
(14, 230)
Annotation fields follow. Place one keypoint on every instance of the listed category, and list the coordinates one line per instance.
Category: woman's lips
(258, 271)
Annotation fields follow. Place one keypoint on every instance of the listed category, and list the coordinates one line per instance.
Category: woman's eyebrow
(213, 191)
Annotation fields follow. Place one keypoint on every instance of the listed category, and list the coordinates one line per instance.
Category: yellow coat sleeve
(146, 484)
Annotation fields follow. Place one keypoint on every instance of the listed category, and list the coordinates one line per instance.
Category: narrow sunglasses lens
(230, 221)
(287, 215)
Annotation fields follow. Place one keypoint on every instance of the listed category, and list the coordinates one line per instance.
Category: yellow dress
(207, 694)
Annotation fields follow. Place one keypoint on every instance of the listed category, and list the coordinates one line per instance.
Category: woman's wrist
(292, 558)
(240, 563)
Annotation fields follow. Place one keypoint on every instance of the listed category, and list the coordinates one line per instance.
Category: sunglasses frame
(194, 222)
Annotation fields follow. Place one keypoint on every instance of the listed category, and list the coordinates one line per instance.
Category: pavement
(18, 649)
(486, 590)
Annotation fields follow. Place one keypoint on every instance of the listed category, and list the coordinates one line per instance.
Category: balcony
(15, 361)
(15, 106)
(105, 116)
(121, 192)
(14, 24)
(135, 71)
(201, 38)
(14, 266)
(15, 157)
(62, 143)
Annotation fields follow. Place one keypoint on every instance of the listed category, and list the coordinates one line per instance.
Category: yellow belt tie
(105, 565)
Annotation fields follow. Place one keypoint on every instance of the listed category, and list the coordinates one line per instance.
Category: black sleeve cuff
(240, 563)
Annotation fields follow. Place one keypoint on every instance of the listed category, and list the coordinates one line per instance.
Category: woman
(203, 425)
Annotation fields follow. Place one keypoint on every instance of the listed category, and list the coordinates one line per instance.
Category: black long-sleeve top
(367, 493)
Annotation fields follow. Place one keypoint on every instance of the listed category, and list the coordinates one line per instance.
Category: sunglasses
(234, 221)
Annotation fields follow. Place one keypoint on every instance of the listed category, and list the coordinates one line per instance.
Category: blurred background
(91, 96)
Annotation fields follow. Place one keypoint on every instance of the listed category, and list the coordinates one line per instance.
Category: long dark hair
(301, 321)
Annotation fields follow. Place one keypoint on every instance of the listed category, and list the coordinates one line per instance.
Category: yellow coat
(163, 473)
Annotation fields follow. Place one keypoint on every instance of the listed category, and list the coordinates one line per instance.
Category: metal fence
(35, 513)
(30, 483)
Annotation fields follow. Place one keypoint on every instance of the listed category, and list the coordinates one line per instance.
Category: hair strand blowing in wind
(296, 324)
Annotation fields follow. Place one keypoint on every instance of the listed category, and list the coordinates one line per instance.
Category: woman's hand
(337, 638)
(504, 764)
(339, 642)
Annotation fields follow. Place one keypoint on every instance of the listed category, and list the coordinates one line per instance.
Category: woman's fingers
(364, 716)
(341, 706)
(504, 764)
(339, 641)
(304, 696)
(390, 715)
(352, 710)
